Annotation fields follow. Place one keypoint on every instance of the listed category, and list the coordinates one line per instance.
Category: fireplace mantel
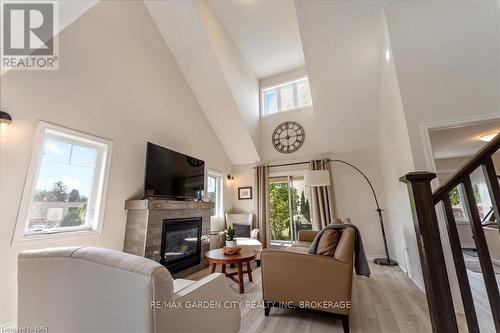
(145, 218)
(166, 204)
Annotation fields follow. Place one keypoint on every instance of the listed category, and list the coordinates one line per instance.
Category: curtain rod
(286, 164)
(327, 160)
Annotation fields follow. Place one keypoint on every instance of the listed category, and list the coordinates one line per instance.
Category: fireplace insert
(181, 243)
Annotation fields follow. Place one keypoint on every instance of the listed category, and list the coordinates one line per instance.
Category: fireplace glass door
(181, 244)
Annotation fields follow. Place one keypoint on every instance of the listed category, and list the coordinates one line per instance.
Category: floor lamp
(318, 178)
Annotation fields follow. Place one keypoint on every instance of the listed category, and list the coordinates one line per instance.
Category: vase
(230, 243)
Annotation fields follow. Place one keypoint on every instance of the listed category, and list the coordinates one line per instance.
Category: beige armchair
(252, 243)
(307, 281)
(100, 290)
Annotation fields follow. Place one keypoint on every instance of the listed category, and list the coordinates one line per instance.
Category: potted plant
(230, 235)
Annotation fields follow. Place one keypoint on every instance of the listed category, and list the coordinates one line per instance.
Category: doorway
(289, 207)
(449, 147)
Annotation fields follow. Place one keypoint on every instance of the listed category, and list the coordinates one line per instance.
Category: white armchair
(251, 243)
(245, 219)
(100, 290)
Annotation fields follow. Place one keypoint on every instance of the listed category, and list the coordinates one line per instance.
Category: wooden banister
(423, 204)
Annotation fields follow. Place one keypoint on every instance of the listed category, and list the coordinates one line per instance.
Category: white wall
(446, 56)
(396, 160)
(112, 82)
(341, 42)
(354, 199)
(446, 67)
(243, 177)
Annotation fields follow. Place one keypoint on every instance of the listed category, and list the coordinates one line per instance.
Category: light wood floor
(481, 303)
(386, 302)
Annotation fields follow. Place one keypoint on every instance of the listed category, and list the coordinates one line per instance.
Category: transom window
(66, 182)
(214, 193)
(286, 97)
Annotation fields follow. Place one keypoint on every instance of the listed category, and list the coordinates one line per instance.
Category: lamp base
(385, 262)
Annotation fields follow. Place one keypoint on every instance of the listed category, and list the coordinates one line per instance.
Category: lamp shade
(316, 178)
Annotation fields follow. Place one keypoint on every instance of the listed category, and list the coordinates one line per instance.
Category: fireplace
(181, 243)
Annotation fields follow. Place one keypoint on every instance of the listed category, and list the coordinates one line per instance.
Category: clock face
(288, 137)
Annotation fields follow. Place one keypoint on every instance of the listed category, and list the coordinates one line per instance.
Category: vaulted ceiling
(225, 47)
(266, 32)
(339, 43)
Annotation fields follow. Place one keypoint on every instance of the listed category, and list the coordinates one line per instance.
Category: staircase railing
(423, 203)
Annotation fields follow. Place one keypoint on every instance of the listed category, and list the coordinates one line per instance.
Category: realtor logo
(28, 41)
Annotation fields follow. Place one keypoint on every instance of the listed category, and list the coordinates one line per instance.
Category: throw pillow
(328, 242)
(242, 230)
(337, 221)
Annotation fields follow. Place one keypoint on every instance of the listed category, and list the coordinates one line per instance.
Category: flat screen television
(172, 174)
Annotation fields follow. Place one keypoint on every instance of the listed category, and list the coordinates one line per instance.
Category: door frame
(286, 173)
(425, 130)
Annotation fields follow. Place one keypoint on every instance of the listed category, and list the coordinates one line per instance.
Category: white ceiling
(461, 141)
(266, 33)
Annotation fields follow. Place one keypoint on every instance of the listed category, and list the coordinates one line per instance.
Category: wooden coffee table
(217, 256)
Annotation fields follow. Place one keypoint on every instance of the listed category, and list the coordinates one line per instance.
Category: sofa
(295, 278)
(87, 289)
(251, 242)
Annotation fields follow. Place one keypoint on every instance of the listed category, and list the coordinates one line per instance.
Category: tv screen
(172, 174)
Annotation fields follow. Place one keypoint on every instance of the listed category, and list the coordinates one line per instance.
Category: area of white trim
(19, 237)
(220, 208)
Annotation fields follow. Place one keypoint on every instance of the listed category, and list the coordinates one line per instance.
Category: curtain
(262, 203)
(322, 198)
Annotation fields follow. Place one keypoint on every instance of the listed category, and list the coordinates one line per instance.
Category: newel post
(436, 281)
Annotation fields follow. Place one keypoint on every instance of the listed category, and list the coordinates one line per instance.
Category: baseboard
(8, 327)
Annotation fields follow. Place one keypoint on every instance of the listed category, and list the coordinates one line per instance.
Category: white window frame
(461, 194)
(219, 203)
(99, 189)
(278, 88)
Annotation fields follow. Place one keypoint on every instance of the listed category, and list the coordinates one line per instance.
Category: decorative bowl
(231, 250)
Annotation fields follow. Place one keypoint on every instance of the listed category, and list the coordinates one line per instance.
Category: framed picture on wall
(245, 193)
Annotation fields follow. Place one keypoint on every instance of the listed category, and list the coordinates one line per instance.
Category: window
(457, 199)
(65, 190)
(285, 97)
(214, 193)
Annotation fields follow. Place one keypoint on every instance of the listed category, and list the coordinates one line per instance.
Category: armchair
(251, 242)
(308, 281)
(89, 289)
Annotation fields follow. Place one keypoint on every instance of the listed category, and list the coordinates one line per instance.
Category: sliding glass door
(289, 207)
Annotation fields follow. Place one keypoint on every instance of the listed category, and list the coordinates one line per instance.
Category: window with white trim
(215, 187)
(288, 96)
(65, 189)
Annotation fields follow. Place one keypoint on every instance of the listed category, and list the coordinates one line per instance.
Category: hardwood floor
(386, 302)
(481, 303)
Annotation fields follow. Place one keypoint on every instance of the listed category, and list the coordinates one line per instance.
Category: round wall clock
(288, 137)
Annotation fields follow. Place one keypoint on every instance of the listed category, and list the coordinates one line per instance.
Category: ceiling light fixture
(488, 137)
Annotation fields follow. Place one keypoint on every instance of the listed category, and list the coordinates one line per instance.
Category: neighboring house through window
(215, 193)
(288, 96)
(66, 185)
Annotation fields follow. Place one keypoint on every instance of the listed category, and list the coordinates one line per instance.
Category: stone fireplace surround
(143, 232)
